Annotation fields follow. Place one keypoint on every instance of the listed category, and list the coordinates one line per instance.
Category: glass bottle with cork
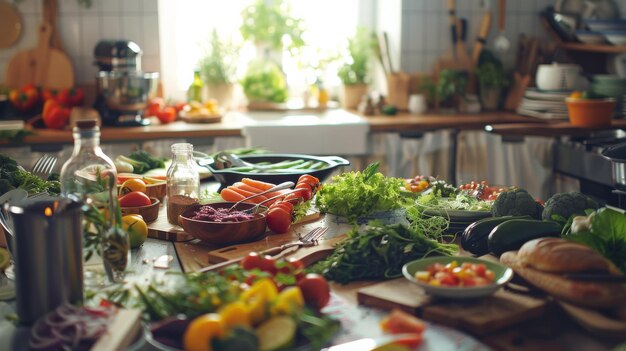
(90, 175)
(183, 182)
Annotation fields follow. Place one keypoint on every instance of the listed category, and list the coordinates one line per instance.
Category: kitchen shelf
(597, 48)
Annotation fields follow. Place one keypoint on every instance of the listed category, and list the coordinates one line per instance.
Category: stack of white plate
(544, 104)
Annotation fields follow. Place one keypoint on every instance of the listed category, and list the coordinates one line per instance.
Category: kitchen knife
(371, 344)
(597, 277)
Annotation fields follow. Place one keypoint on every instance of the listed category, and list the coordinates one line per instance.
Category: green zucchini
(474, 238)
(512, 234)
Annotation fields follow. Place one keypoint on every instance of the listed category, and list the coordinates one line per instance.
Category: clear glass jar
(90, 175)
(183, 181)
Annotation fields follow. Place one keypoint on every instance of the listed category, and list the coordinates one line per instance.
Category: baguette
(563, 256)
(582, 293)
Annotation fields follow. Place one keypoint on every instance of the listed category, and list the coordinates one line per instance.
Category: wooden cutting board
(43, 65)
(304, 225)
(164, 230)
(479, 317)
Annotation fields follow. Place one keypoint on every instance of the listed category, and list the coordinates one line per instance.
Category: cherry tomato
(251, 261)
(71, 97)
(268, 264)
(135, 199)
(315, 290)
(309, 179)
(278, 220)
(287, 206)
(400, 322)
(306, 192)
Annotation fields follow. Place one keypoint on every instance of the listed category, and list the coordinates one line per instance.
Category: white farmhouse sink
(333, 132)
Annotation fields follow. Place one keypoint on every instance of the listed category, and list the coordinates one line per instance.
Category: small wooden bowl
(156, 190)
(149, 213)
(224, 233)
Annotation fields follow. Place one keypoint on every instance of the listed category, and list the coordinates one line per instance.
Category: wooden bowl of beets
(224, 232)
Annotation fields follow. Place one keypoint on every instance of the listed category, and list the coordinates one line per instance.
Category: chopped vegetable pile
(379, 252)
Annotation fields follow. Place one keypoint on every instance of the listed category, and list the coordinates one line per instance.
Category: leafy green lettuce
(606, 235)
(356, 194)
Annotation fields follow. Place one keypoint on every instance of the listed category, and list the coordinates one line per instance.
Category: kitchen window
(185, 28)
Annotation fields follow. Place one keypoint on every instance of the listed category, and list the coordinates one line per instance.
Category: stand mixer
(123, 89)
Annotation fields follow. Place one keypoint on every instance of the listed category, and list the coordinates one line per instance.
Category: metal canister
(47, 251)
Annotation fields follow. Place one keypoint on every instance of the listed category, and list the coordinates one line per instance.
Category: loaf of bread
(563, 256)
(582, 293)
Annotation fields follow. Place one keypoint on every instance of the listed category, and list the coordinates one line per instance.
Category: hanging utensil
(453, 27)
(501, 43)
(461, 34)
(483, 33)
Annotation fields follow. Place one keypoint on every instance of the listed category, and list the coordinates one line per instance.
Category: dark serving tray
(227, 177)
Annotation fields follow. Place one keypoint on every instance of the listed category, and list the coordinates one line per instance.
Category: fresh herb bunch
(379, 252)
(432, 227)
(219, 64)
(13, 176)
(356, 194)
(359, 53)
(145, 157)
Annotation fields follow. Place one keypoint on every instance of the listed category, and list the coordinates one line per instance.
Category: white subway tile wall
(426, 32)
(81, 28)
(425, 29)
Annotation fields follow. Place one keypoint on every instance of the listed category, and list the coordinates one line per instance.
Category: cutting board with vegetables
(479, 317)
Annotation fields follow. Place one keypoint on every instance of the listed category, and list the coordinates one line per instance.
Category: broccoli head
(5, 186)
(562, 206)
(516, 202)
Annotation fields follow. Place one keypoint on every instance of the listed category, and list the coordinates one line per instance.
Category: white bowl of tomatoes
(457, 277)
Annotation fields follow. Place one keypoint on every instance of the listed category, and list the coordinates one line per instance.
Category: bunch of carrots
(281, 203)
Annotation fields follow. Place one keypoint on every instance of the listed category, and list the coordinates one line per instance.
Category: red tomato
(154, 106)
(305, 191)
(134, 199)
(251, 261)
(167, 115)
(315, 290)
(179, 106)
(278, 220)
(287, 206)
(71, 97)
(480, 269)
(49, 94)
(268, 264)
(309, 179)
(293, 198)
(449, 279)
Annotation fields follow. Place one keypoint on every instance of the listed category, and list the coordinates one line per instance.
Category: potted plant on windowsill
(218, 67)
(491, 81)
(450, 89)
(354, 73)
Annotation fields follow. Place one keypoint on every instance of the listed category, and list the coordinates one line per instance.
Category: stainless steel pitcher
(47, 250)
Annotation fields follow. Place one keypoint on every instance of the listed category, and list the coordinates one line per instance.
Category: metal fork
(44, 166)
(310, 239)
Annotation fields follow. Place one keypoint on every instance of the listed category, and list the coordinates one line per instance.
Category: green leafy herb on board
(603, 231)
(356, 194)
(379, 252)
(13, 176)
(147, 158)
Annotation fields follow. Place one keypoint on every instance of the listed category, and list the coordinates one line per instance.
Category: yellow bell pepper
(235, 314)
(288, 301)
(258, 297)
(202, 330)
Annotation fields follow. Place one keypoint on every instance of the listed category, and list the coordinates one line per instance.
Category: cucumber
(512, 234)
(276, 333)
(474, 238)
